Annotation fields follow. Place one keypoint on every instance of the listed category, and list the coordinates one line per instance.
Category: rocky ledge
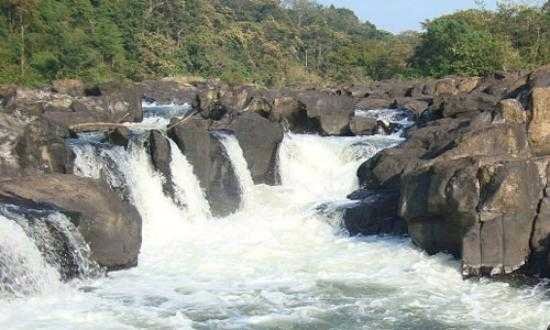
(471, 178)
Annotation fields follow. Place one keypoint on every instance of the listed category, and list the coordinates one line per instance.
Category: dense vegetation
(269, 42)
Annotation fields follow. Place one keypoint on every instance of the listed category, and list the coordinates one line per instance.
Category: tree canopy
(268, 42)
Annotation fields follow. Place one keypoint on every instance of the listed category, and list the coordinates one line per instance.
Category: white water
(276, 264)
(23, 270)
(236, 156)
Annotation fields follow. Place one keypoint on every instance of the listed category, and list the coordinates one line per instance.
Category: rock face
(375, 213)
(333, 113)
(539, 124)
(210, 163)
(472, 176)
(31, 145)
(259, 138)
(160, 151)
(111, 227)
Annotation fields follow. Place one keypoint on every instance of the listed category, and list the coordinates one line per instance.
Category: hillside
(268, 42)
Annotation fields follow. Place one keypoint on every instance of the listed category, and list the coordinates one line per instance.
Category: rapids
(275, 264)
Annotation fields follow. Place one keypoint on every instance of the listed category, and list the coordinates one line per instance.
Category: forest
(264, 42)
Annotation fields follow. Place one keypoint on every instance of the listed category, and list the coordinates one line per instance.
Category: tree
(452, 46)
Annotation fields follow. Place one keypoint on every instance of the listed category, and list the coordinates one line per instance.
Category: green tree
(453, 46)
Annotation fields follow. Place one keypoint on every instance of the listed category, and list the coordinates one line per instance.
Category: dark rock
(167, 92)
(362, 125)
(259, 139)
(111, 227)
(119, 136)
(333, 113)
(479, 210)
(467, 103)
(375, 214)
(161, 157)
(122, 102)
(31, 146)
(374, 104)
(210, 163)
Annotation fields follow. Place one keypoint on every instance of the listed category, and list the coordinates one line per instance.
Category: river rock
(375, 213)
(119, 136)
(211, 164)
(259, 139)
(331, 112)
(161, 157)
(362, 125)
(111, 227)
(31, 145)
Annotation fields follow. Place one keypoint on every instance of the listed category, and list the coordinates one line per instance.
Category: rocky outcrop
(66, 104)
(375, 213)
(161, 157)
(260, 145)
(473, 175)
(31, 145)
(111, 227)
(210, 164)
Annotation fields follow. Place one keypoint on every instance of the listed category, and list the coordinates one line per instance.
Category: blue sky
(401, 15)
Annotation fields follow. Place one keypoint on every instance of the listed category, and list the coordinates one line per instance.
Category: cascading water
(236, 156)
(276, 264)
(38, 249)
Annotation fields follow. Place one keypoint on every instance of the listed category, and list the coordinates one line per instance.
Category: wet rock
(259, 139)
(211, 164)
(376, 213)
(111, 227)
(481, 212)
(161, 157)
(119, 136)
(362, 125)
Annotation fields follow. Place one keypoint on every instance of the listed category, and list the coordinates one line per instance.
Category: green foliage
(455, 46)
(267, 42)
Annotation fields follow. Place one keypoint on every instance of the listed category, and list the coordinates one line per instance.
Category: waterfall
(323, 169)
(38, 249)
(188, 188)
(240, 166)
(23, 269)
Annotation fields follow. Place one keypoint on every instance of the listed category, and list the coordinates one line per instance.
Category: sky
(402, 15)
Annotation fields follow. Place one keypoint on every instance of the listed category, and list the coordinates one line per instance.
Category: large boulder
(259, 139)
(110, 226)
(161, 157)
(211, 164)
(168, 92)
(331, 112)
(31, 145)
(478, 209)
